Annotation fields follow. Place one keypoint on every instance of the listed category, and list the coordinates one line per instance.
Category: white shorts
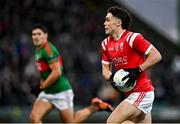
(61, 101)
(142, 100)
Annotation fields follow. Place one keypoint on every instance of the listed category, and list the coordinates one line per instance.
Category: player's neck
(42, 45)
(117, 35)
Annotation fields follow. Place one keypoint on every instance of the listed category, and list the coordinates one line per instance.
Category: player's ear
(46, 35)
(119, 22)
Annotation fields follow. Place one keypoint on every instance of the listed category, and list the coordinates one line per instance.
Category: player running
(54, 89)
(130, 51)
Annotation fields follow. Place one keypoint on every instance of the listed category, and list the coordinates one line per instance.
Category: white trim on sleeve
(105, 62)
(149, 48)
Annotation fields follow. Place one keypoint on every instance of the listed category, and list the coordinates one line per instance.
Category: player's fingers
(130, 83)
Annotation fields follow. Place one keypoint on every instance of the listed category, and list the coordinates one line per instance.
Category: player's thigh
(67, 115)
(40, 108)
(145, 119)
(124, 111)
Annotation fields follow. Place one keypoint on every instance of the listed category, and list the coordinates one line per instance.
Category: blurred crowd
(76, 28)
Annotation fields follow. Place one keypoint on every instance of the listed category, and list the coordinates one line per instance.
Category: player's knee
(34, 119)
(115, 119)
(111, 120)
(108, 121)
(127, 122)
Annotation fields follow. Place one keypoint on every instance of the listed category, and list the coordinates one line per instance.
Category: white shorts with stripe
(142, 100)
(61, 101)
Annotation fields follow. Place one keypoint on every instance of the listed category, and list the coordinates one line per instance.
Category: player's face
(39, 37)
(110, 24)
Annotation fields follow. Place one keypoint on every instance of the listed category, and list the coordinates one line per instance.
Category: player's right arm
(107, 74)
(106, 62)
(55, 73)
(106, 71)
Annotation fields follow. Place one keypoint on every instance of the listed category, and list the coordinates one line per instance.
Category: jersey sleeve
(105, 58)
(141, 44)
(51, 54)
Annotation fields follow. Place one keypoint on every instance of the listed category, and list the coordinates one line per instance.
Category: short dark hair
(40, 26)
(123, 14)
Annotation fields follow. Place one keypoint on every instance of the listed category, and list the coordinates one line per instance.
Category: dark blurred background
(76, 28)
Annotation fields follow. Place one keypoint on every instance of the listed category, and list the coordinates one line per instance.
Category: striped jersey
(128, 52)
(45, 56)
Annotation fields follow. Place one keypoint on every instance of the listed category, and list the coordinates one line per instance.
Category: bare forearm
(106, 75)
(106, 71)
(50, 80)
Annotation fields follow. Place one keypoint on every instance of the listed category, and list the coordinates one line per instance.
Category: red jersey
(128, 52)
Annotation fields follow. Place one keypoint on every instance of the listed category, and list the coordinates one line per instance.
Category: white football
(118, 76)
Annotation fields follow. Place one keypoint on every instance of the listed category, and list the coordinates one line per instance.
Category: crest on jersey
(119, 46)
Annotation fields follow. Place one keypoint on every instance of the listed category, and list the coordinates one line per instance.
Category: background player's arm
(106, 71)
(55, 73)
(152, 58)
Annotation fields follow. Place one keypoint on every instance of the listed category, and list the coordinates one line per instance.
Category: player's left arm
(55, 73)
(152, 57)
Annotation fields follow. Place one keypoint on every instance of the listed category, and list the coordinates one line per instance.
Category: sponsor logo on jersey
(120, 60)
(42, 66)
(111, 48)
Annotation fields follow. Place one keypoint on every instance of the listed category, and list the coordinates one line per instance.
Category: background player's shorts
(142, 100)
(61, 101)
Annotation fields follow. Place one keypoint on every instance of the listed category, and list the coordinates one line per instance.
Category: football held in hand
(120, 83)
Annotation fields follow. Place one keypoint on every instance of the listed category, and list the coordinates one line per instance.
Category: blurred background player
(127, 50)
(54, 89)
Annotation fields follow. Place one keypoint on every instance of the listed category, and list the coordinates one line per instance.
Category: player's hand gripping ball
(120, 83)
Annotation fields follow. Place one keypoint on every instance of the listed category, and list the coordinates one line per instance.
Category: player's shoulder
(50, 49)
(130, 36)
(105, 42)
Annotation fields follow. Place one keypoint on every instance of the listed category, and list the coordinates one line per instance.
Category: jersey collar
(120, 35)
(43, 45)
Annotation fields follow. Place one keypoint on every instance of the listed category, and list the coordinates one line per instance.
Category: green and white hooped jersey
(43, 57)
